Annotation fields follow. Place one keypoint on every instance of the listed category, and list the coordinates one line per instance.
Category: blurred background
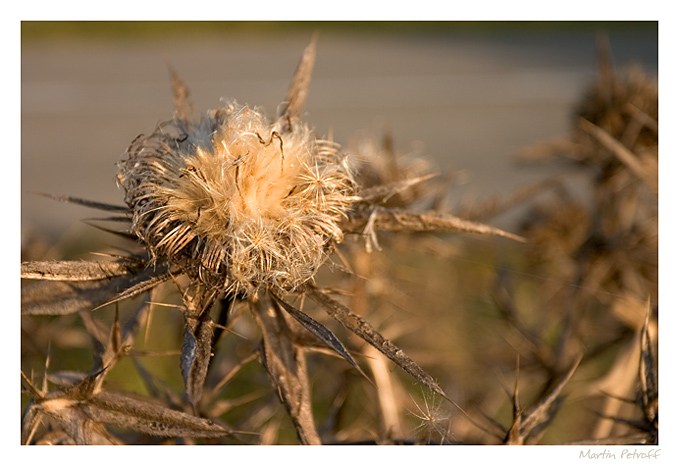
(466, 94)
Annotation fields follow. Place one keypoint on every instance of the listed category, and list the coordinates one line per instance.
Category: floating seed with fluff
(237, 201)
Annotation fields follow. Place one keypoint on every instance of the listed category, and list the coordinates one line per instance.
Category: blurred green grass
(50, 30)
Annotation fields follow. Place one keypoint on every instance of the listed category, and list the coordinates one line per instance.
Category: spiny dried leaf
(529, 425)
(195, 359)
(648, 395)
(514, 435)
(61, 298)
(62, 406)
(78, 270)
(381, 193)
(395, 220)
(649, 392)
(147, 282)
(126, 234)
(125, 219)
(197, 345)
(30, 420)
(83, 417)
(287, 368)
(363, 329)
(128, 412)
(297, 94)
(69, 416)
(85, 202)
(84, 408)
(320, 331)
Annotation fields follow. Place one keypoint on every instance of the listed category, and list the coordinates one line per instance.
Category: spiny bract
(236, 200)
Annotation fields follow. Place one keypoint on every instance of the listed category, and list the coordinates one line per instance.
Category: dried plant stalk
(286, 365)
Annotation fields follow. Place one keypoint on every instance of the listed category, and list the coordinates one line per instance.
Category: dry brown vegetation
(407, 334)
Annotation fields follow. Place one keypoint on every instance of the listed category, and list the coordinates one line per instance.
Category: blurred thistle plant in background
(599, 255)
(238, 212)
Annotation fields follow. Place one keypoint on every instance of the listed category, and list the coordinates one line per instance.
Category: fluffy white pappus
(255, 204)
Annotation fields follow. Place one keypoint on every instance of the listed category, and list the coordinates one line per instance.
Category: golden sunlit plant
(237, 210)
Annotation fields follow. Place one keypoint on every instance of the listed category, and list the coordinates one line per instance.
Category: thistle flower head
(237, 201)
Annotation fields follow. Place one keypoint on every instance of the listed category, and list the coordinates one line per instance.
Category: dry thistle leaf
(320, 331)
(287, 368)
(61, 298)
(83, 410)
(77, 270)
(197, 346)
(395, 220)
(528, 425)
(361, 328)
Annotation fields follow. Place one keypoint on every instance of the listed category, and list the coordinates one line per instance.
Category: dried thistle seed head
(237, 201)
